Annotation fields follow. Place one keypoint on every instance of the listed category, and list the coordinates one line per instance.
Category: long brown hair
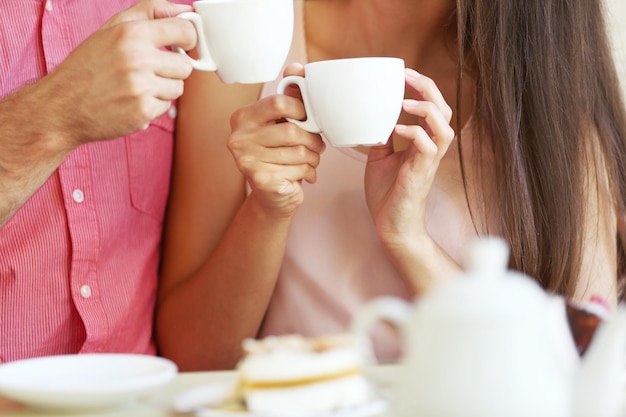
(546, 86)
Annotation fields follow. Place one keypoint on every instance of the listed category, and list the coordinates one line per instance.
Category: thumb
(148, 10)
(163, 8)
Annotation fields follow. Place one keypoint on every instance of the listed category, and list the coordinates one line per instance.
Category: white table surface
(159, 402)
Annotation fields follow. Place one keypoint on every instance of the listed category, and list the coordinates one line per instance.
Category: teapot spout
(598, 389)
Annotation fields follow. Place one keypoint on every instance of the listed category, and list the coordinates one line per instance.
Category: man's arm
(31, 147)
(111, 85)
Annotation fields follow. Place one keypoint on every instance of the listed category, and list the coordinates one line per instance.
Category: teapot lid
(487, 290)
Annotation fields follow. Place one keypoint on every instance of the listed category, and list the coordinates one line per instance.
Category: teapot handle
(393, 309)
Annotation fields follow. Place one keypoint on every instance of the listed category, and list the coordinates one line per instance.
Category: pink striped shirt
(78, 262)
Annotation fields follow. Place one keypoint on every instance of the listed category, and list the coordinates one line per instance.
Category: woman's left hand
(397, 184)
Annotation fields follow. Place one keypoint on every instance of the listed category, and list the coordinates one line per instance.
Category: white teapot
(493, 343)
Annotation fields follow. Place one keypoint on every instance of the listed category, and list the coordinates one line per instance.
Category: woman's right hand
(274, 155)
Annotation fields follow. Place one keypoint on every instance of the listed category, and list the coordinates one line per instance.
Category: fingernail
(409, 104)
(411, 73)
(401, 129)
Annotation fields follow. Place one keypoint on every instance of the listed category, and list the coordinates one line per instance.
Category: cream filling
(245, 385)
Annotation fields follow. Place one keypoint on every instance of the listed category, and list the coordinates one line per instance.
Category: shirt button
(172, 112)
(78, 195)
(85, 291)
(49, 5)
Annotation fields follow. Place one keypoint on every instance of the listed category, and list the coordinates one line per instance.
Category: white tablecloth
(159, 402)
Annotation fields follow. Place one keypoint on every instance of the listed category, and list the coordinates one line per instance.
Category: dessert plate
(371, 409)
(83, 381)
(215, 400)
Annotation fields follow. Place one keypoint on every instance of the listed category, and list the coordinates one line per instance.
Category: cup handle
(309, 124)
(205, 62)
(393, 309)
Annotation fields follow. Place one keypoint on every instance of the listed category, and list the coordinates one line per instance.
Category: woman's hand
(397, 184)
(273, 154)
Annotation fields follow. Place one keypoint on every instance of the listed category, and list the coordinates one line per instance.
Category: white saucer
(84, 381)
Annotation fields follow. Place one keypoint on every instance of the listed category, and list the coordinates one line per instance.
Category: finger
(381, 151)
(302, 172)
(148, 10)
(269, 146)
(132, 13)
(154, 9)
(306, 146)
(167, 89)
(292, 135)
(269, 110)
(294, 68)
(162, 9)
(173, 31)
(293, 90)
(429, 91)
(290, 155)
(274, 179)
(152, 108)
(437, 126)
(173, 65)
(420, 139)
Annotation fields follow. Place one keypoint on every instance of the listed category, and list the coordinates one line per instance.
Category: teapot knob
(487, 256)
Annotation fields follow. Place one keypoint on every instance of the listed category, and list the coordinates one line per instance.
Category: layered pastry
(297, 376)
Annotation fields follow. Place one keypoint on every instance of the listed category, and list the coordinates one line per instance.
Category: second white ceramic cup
(245, 41)
(353, 101)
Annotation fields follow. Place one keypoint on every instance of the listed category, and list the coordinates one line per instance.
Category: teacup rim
(354, 59)
(231, 1)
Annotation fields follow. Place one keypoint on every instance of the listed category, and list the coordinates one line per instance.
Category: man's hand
(114, 83)
(123, 76)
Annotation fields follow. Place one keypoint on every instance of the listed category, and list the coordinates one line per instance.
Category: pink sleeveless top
(334, 262)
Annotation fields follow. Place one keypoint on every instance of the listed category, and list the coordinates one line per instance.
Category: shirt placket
(82, 220)
(78, 191)
(54, 34)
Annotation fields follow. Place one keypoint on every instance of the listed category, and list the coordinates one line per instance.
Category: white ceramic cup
(353, 101)
(245, 41)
